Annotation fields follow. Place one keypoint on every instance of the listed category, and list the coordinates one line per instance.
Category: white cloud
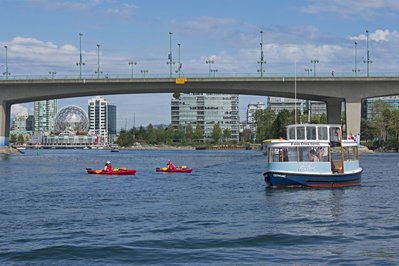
(19, 110)
(363, 8)
(378, 36)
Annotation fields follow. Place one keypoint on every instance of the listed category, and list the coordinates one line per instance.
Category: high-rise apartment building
(98, 119)
(252, 108)
(111, 122)
(44, 112)
(207, 109)
(278, 104)
(369, 105)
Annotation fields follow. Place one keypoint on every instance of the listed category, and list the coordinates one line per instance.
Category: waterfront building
(19, 122)
(278, 104)
(251, 110)
(30, 123)
(368, 105)
(44, 112)
(98, 119)
(111, 109)
(71, 118)
(207, 109)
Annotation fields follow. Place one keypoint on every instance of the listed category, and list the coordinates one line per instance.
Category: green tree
(226, 134)
(216, 133)
(160, 134)
(151, 135)
(13, 138)
(189, 133)
(20, 139)
(169, 133)
(283, 119)
(180, 134)
(199, 133)
(264, 124)
(125, 139)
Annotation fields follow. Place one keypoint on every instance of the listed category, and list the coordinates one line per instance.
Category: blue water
(53, 213)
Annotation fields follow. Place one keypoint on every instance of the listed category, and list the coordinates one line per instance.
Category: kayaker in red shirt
(170, 165)
(107, 167)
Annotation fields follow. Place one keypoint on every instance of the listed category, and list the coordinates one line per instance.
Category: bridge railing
(194, 75)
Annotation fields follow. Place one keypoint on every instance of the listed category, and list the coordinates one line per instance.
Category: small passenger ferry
(313, 155)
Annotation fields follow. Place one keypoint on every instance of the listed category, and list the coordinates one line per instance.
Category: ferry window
(311, 133)
(291, 133)
(322, 133)
(275, 155)
(292, 154)
(335, 134)
(310, 154)
(351, 153)
(300, 133)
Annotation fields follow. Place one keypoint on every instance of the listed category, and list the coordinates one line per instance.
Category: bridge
(332, 90)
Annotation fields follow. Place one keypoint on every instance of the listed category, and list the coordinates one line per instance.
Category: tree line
(382, 130)
(180, 135)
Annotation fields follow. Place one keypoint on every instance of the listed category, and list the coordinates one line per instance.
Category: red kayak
(175, 170)
(115, 171)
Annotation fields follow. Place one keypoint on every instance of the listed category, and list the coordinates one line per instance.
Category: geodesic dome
(71, 118)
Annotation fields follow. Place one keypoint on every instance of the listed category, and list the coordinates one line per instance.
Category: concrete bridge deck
(332, 90)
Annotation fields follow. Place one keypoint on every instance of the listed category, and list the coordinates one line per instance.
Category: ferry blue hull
(284, 180)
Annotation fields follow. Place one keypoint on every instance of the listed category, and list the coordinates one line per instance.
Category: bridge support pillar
(353, 117)
(5, 111)
(334, 111)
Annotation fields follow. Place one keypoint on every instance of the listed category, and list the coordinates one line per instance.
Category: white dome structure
(71, 118)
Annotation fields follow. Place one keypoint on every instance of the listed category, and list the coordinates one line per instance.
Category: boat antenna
(295, 93)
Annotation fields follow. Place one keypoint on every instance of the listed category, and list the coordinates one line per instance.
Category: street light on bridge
(214, 72)
(80, 63)
(144, 71)
(308, 70)
(355, 70)
(52, 73)
(261, 61)
(170, 62)
(314, 62)
(98, 72)
(368, 60)
(209, 62)
(6, 73)
(132, 63)
(180, 64)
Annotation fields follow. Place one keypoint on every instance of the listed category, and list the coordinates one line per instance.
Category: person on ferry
(313, 156)
(170, 165)
(336, 137)
(107, 167)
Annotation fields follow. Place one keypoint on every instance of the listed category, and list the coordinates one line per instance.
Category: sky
(42, 36)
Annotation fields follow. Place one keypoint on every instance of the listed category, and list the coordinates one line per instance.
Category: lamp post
(98, 72)
(214, 72)
(355, 70)
(261, 61)
(6, 73)
(180, 64)
(80, 63)
(314, 62)
(144, 71)
(132, 63)
(52, 73)
(209, 62)
(368, 61)
(308, 70)
(170, 62)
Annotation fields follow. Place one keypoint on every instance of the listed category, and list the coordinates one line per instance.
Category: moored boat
(115, 171)
(313, 155)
